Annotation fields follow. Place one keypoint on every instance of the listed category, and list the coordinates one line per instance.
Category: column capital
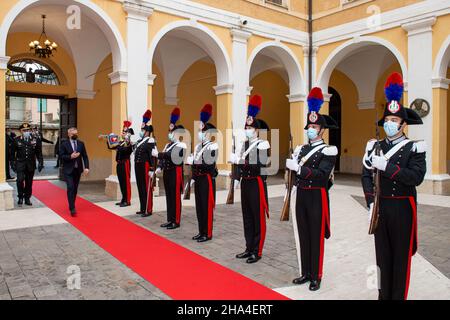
(86, 94)
(440, 83)
(366, 105)
(4, 62)
(240, 35)
(151, 79)
(137, 11)
(296, 97)
(118, 76)
(327, 97)
(171, 101)
(419, 26)
(249, 90)
(223, 89)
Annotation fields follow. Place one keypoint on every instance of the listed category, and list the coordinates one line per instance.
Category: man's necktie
(75, 149)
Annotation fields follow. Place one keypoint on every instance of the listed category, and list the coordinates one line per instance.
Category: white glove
(190, 160)
(370, 212)
(192, 182)
(292, 164)
(379, 163)
(154, 152)
(234, 158)
(151, 174)
(158, 171)
(236, 183)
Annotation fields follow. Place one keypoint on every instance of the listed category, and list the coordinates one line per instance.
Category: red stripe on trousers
(263, 210)
(178, 186)
(128, 183)
(149, 204)
(411, 243)
(325, 222)
(211, 205)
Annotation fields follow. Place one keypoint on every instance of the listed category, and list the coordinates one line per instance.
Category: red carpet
(175, 270)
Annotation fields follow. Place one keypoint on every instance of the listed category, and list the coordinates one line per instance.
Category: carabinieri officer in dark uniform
(171, 163)
(144, 165)
(403, 167)
(204, 173)
(26, 150)
(251, 163)
(124, 149)
(314, 164)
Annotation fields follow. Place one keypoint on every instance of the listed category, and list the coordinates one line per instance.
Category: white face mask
(201, 136)
(249, 133)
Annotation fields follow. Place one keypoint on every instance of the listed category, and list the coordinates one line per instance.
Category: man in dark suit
(74, 158)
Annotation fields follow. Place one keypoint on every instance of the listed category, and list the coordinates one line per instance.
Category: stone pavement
(45, 252)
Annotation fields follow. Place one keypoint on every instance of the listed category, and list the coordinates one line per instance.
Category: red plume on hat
(206, 113)
(254, 105)
(147, 116)
(175, 115)
(126, 124)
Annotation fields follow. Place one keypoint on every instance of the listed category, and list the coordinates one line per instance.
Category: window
(31, 71)
(281, 3)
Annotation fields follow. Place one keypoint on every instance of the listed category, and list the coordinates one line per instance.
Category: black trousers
(145, 193)
(72, 182)
(254, 209)
(395, 244)
(123, 170)
(7, 163)
(312, 214)
(24, 182)
(205, 196)
(173, 185)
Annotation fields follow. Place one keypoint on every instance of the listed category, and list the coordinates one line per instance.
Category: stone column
(297, 118)
(240, 76)
(6, 191)
(420, 73)
(138, 61)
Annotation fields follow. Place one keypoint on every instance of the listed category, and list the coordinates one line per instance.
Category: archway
(192, 67)
(335, 111)
(275, 73)
(360, 88)
(86, 70)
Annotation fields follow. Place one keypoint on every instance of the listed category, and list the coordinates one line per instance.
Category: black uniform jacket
(206, 162)
(143, 151)
(316, 171)
(255, 160)
(405, 169)
(172, 155)
(25, 152)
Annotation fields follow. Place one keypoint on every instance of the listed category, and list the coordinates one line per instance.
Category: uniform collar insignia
(317, 143)
(394, 142)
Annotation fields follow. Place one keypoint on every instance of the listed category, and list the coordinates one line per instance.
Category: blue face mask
(391, 128)
(171, 137)
(141, 134)
(312, 133)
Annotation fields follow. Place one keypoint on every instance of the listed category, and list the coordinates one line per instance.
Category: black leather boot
(314, 285)
(28, 202)
(244, 255)
(197, 237)
(301, 280)
(173, 225)
(253, 258)
(147, 214)
(165, 225)
(20, 201)
(203, 239)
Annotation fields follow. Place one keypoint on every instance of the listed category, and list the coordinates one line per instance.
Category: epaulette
(263, 145)
(330, 151)
(419, 147)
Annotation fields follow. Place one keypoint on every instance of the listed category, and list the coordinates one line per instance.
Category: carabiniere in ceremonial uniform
(26, 150)
(144, 165)
(171, 163)
(204, 173)
(403, 167)
(124, 149)
(251, 163)
(314, 164)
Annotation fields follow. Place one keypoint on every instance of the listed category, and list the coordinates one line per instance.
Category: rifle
(290, 176)
(230, 197)
(377, 175)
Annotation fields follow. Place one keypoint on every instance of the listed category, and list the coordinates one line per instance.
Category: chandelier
(46, 49)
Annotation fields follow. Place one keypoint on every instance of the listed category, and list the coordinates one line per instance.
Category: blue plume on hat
(254, 105)
(206, 113)
(315, 100)
(393, 88)
(175, 115)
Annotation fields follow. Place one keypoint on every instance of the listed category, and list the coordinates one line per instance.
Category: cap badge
(393, 107)
(313, 117)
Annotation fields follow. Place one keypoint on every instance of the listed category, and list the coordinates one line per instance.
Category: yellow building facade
(116, 58)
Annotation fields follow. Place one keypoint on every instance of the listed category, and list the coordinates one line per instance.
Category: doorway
(51, 116)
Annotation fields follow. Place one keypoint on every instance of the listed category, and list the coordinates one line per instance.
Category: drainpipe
(310, 34)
